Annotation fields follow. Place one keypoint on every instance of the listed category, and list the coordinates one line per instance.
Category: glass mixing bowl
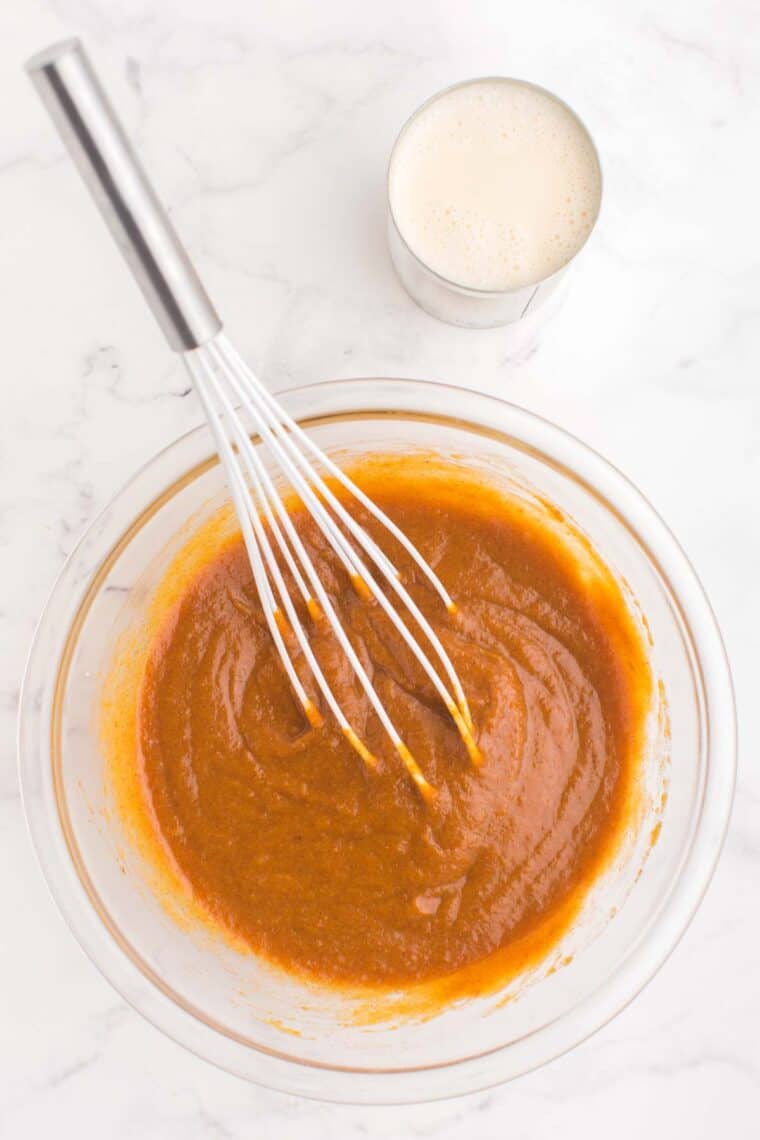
(237, 1011)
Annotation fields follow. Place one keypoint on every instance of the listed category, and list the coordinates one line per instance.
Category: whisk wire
(208, 366)
(240, 500)
(224, 349)
(249, 390)
(262, 550)
(262, 555)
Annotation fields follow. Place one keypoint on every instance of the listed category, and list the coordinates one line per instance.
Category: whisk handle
(88, 125)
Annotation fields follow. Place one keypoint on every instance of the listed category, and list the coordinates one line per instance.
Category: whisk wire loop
(261, 405)
(257, 500)
(261, 496)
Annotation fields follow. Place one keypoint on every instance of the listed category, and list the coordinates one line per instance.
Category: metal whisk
(96, 140)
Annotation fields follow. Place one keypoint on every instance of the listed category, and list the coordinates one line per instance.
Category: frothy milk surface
(495, 185)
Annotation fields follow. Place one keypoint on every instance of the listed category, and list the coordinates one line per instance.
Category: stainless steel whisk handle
(88, 125)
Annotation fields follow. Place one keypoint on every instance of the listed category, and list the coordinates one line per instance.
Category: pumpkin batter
(345, 873)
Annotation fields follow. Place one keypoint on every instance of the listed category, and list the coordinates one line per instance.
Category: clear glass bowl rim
(288, 1074)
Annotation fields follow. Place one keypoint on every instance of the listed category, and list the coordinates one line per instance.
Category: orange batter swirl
(344, 872)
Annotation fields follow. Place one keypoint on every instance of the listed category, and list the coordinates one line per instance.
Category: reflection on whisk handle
(95, 138)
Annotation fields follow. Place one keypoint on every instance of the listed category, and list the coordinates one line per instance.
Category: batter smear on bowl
(343, 872)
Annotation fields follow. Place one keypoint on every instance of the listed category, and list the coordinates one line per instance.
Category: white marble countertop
(267, 128)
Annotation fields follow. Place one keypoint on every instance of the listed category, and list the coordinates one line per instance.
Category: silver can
(451, 301)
